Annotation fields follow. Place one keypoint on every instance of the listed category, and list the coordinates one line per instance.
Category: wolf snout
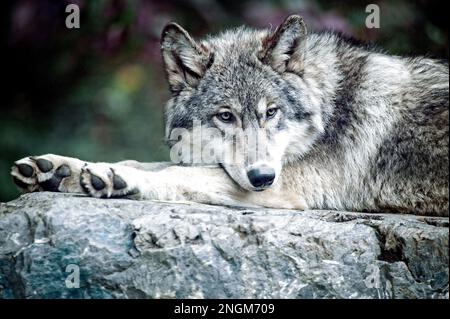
(261, 177)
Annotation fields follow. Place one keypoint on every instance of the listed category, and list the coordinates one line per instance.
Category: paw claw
(83, 183)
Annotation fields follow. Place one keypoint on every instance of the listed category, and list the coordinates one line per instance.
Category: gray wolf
(343, 125)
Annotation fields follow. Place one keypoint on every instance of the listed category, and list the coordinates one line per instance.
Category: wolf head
(248, 85)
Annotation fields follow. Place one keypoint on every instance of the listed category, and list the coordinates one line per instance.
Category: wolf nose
(261, 176)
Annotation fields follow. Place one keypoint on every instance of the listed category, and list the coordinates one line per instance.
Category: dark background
(98, 92)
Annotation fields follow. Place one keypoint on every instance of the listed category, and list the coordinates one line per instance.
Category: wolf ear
(282, 49)
(185, 61)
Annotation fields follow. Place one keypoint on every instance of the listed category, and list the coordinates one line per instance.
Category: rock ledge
(146, 249)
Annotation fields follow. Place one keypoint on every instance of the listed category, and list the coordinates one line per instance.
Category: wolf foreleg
(209, 185)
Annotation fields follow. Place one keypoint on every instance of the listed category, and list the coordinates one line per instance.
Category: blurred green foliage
(98, 92)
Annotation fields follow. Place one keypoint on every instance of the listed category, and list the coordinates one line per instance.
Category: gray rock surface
(144, 249)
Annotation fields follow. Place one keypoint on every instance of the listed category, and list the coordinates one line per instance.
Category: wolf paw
(47, 173)
(107, 180)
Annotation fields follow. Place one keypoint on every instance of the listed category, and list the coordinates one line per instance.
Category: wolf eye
(226, 117)
(271, 112)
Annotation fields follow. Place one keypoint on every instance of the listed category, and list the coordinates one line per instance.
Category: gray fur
(398, 165)
(356, 129)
